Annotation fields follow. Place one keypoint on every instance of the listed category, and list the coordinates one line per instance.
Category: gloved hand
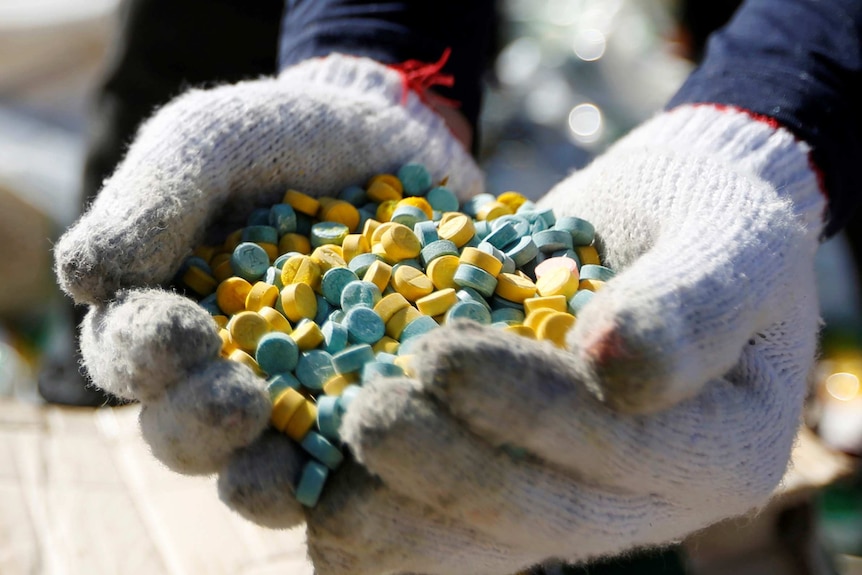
(675, 406)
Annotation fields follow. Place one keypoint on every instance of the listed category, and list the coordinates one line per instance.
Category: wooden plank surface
(80, 494)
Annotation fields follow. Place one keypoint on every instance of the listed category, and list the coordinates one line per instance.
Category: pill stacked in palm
(320, 294)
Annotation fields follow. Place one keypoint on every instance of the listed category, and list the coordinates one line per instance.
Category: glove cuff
(748, 143)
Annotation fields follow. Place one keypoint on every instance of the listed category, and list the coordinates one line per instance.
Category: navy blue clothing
(394, 32)
(799, 62)
(796, 61)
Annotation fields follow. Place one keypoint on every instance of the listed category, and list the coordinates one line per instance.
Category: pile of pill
(320, 294)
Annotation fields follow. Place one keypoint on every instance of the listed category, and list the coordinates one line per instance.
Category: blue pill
(442, 199)
(549, 241)
(334, 336)
(360, 264)
(346, 398)
(419, 326)
(353, 195)
(195, 262)
(258, 217)
(547, 216)
(376, 369)
(328, 233)
(273, 277)
(579, 300)
(437, 249)
(582, 231)
(469, 310)
(411, 262)
(364, 325)
(333, 282)
(329, 412)
(249, 261)
(385, 357)
(498, 302)
(520, 223)
(523, 251)
(469, 294)
(415, 179)
(277, 383)
(260, 234)
(311, 483)
(323, 309)
(474, 204)
(303, 224)
(502, 236)
(408, 216)
(359, 293)
(426, 232)
(283, 218)
(337, 316)
(314, 368)
(351, 359)
(210, 304)
(473, 277)
(506, 314)
(276, 353)
(483, 228)
(596, 272)
(279, 261)
(322, 449)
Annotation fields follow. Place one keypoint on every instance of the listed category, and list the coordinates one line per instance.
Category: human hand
(674, 407)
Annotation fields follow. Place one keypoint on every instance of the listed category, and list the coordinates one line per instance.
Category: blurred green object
(840, 508)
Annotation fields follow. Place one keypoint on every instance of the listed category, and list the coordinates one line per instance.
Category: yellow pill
(522, 330)
(353, 245)
(389, 305)
(368, 230)
(381, 191)
(514, 287)
(411, 283)
(301, 202)
(231, 294)
(555, 326)
(400, 243)
(338, 211)
(385, 210)
(284, 406)
(418, 202)
(327, 257)
(533, 320)
(307, 335)
(302, 420)
(482, 260)
(381, 229)
(298, 301)
(246, 328)
(301, 269)
(559, 281)
(277, 322)
(336, 384)
(554, 302)
(199, 281)
(294, 243)
(227, 344)
(457, 228)
(242, 357)
(221, 267)
(493, 210)
(270, 249)
(379, 251)
(405, 362)
(390, 179)
(587, 255)
(438, 302)
(442, 271)
(232, 241)
(401, 319)
(261, 295)
(512, 199)
(591, 285)
(379, 273)
(386, 344)
(220, 320)
(206, 253)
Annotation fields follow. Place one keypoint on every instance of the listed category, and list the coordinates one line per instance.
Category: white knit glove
(675, 406)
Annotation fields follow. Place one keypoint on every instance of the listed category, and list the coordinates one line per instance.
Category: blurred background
(568, 77)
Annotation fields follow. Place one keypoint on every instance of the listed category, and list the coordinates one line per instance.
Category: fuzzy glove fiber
(675, 405)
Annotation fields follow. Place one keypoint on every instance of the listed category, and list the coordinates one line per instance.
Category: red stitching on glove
(420, 76)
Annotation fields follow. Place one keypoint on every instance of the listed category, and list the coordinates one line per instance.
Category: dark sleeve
(394, 32)
(800, 63)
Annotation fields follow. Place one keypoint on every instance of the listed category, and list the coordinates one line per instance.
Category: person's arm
(395, 32)
(799, 63)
